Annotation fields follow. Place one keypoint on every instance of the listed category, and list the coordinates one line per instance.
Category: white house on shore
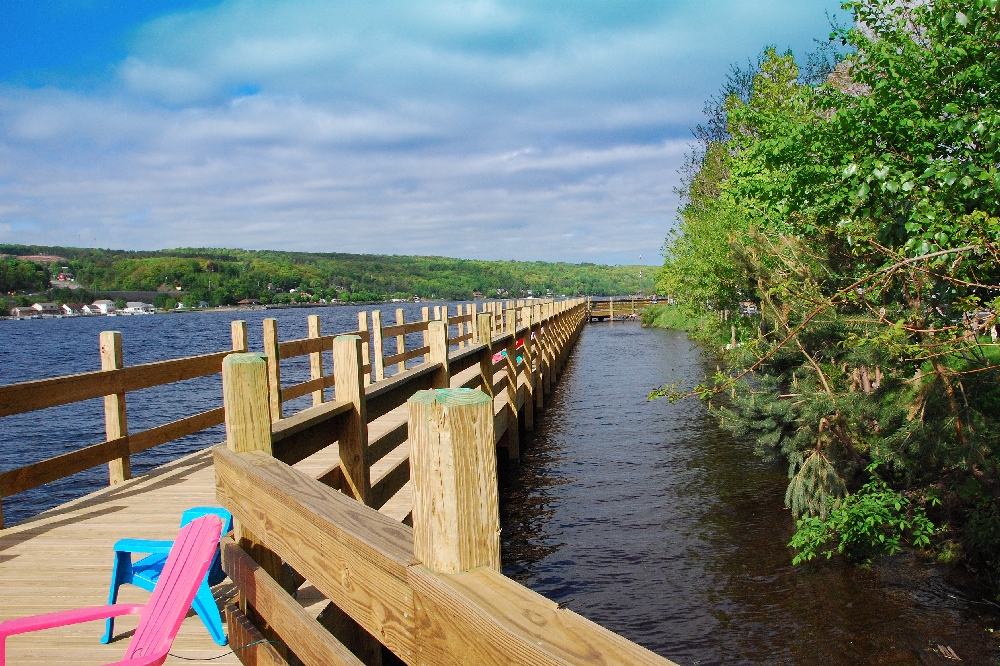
(138, 308)
(103, 306)
(24, 312)
(47, 309)
(72, 309)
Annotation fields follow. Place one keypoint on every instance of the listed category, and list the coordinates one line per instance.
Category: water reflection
(650, 520)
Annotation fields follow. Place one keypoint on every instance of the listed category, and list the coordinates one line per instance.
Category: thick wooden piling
(456, 520)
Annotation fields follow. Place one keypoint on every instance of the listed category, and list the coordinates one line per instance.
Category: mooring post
(456, 518)
(246, 400)
(115, 420)
(349, 384)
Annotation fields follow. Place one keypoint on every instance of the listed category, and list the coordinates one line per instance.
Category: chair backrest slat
(186, 566)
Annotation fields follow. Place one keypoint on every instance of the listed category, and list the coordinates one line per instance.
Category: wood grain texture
(386, 396)
(354, 555)
(456, 523)
(242, 633)
(482, 617)
(400, 338)
(315, 362)
(115, 419)
(246, 404)
(365, 340)
(378, 359)
(353, 433)
(437, 338)
(238, 333)
(44, 393)
(389, 484)
(306, 637)
(273, 354)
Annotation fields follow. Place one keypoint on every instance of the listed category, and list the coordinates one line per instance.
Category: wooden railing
(430, 594)
(114, 381)
(610, 307)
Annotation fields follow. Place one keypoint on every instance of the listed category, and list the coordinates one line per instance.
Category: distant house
(24, 312)
(248, 302)
(103, 306)
(138, 308)
(47, 309)
(91, 310)
(72, 309)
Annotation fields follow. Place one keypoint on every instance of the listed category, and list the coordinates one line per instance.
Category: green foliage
(222, 277)
(668, 316)
(859, 211)
(868, 524)
(23, 276)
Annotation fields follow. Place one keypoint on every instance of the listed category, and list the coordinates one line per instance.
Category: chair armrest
(24, 625)
(143, 546)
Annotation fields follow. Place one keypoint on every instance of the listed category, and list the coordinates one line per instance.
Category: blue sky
(493, 129)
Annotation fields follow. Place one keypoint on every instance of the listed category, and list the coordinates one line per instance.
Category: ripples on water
(650, 520)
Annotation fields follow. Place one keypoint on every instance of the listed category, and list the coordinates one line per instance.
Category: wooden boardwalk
(430, 594)
(61, 559)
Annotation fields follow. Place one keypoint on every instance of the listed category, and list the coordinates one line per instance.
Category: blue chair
(145, 572)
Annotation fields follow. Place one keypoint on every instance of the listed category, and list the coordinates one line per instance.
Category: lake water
(652, 521)
(40, 348)
(644, 517)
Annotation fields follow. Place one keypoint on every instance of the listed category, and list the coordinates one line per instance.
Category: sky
(487, 129)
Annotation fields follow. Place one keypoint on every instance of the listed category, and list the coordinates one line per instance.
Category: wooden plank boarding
(315, 359)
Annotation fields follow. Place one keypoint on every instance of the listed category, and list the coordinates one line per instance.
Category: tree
(862, 212)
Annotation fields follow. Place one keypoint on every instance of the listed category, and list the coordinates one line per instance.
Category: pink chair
(160, 619)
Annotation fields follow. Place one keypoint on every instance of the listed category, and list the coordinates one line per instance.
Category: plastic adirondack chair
(145, 572)
(159, 620)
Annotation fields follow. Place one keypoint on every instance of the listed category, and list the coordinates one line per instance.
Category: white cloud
(479, 129)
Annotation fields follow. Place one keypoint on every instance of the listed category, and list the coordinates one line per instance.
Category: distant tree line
(224, 277)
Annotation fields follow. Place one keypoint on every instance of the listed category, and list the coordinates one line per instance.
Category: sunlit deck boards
(62, 558)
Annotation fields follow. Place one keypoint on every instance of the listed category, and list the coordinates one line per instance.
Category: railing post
(456, 519)
(246, 399)
(315, 359)
(115, 420)
(437, 336)
(363, 327)
(527, 350)
(273, 355)
(485, 327)
(349, 384)
(425, 315)
(513, 436)
(401, 338)
(378, 360)
(238, 332)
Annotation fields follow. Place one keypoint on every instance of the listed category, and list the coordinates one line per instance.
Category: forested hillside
(221, 276)
(858, 207)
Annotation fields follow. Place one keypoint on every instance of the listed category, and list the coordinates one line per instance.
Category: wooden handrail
(56, 391)
(364, 563)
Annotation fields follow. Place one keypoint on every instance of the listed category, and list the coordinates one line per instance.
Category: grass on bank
(668, 316)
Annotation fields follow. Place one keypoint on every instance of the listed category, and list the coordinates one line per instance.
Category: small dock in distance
(626, 308)
(325, 561)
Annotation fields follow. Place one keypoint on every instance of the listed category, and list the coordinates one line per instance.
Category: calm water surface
(650, 520)
(644, 517)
